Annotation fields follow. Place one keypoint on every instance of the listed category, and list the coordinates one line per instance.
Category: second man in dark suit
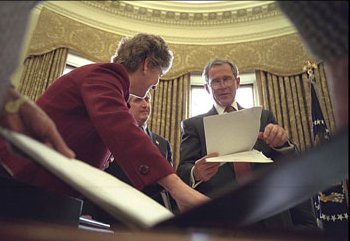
(141, 110)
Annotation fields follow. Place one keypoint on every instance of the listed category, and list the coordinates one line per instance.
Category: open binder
(119, 199)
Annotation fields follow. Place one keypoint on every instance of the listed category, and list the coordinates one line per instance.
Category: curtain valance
(283, 55)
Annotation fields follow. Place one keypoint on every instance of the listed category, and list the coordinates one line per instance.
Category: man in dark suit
(222, 81)
(141, 110)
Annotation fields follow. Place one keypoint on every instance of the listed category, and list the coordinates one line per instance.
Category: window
(201, 102)
(74, 61)
(68, 68)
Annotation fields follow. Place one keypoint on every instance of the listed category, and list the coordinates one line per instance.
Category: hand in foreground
(203, 170)
(31, 120)
(184, 195)
(274, 135)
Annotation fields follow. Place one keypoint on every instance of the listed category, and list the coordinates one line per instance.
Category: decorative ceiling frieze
(187, 18)
(209, 23)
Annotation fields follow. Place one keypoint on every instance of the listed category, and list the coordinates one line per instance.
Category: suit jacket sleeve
(191, 148)
(268, 118)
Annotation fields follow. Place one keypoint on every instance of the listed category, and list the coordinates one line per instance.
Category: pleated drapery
(289, 98)
(39, 71)
(170, 105)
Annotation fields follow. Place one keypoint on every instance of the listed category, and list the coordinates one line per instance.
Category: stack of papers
(233, 136)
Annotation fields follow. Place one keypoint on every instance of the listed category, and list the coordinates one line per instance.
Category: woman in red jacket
(89, 107)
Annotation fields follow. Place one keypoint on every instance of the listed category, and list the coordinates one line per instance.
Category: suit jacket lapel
(153, 137)
(212, 111)
(150, 134)
(157, 141)
(239, 107)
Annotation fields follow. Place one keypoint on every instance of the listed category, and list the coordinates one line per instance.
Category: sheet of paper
(119, 199)
(232, 132)
(246, 156)
(233, 136)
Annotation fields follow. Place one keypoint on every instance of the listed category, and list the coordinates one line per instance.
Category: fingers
(280, 139)
(203, 164)
(274, 135)
(13, 122)
(214, 154)
(55, 139)
(209, 173)
(203, 170)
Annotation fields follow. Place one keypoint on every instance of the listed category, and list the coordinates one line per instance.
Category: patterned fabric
(322, 24)
(330, 205)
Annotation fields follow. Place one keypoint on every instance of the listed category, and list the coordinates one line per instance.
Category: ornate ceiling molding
(211, 15)
(212, 23)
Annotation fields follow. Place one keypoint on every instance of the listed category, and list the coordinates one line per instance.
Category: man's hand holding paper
(236, 145)
(203, 170)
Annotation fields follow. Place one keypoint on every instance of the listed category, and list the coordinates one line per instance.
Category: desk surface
(15, 231)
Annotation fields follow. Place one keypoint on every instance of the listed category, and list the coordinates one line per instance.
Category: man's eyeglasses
(227, 81)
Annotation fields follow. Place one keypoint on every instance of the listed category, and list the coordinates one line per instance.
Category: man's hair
(132, 51)
(216, 62)
(148, 94)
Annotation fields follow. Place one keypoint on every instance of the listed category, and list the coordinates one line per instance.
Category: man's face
(140, 108)
(222, 84)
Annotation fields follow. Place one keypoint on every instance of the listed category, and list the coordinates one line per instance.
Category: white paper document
(119, 199)
(233, 135)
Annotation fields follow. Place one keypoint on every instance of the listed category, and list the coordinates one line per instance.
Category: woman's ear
(145, 65)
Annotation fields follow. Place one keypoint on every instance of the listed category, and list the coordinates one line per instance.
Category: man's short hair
(216, 62)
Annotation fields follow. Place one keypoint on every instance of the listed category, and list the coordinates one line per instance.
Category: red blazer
(89, 108)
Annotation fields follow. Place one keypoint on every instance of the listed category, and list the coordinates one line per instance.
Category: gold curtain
(40, 71)
(169, 107)
(289, 98)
